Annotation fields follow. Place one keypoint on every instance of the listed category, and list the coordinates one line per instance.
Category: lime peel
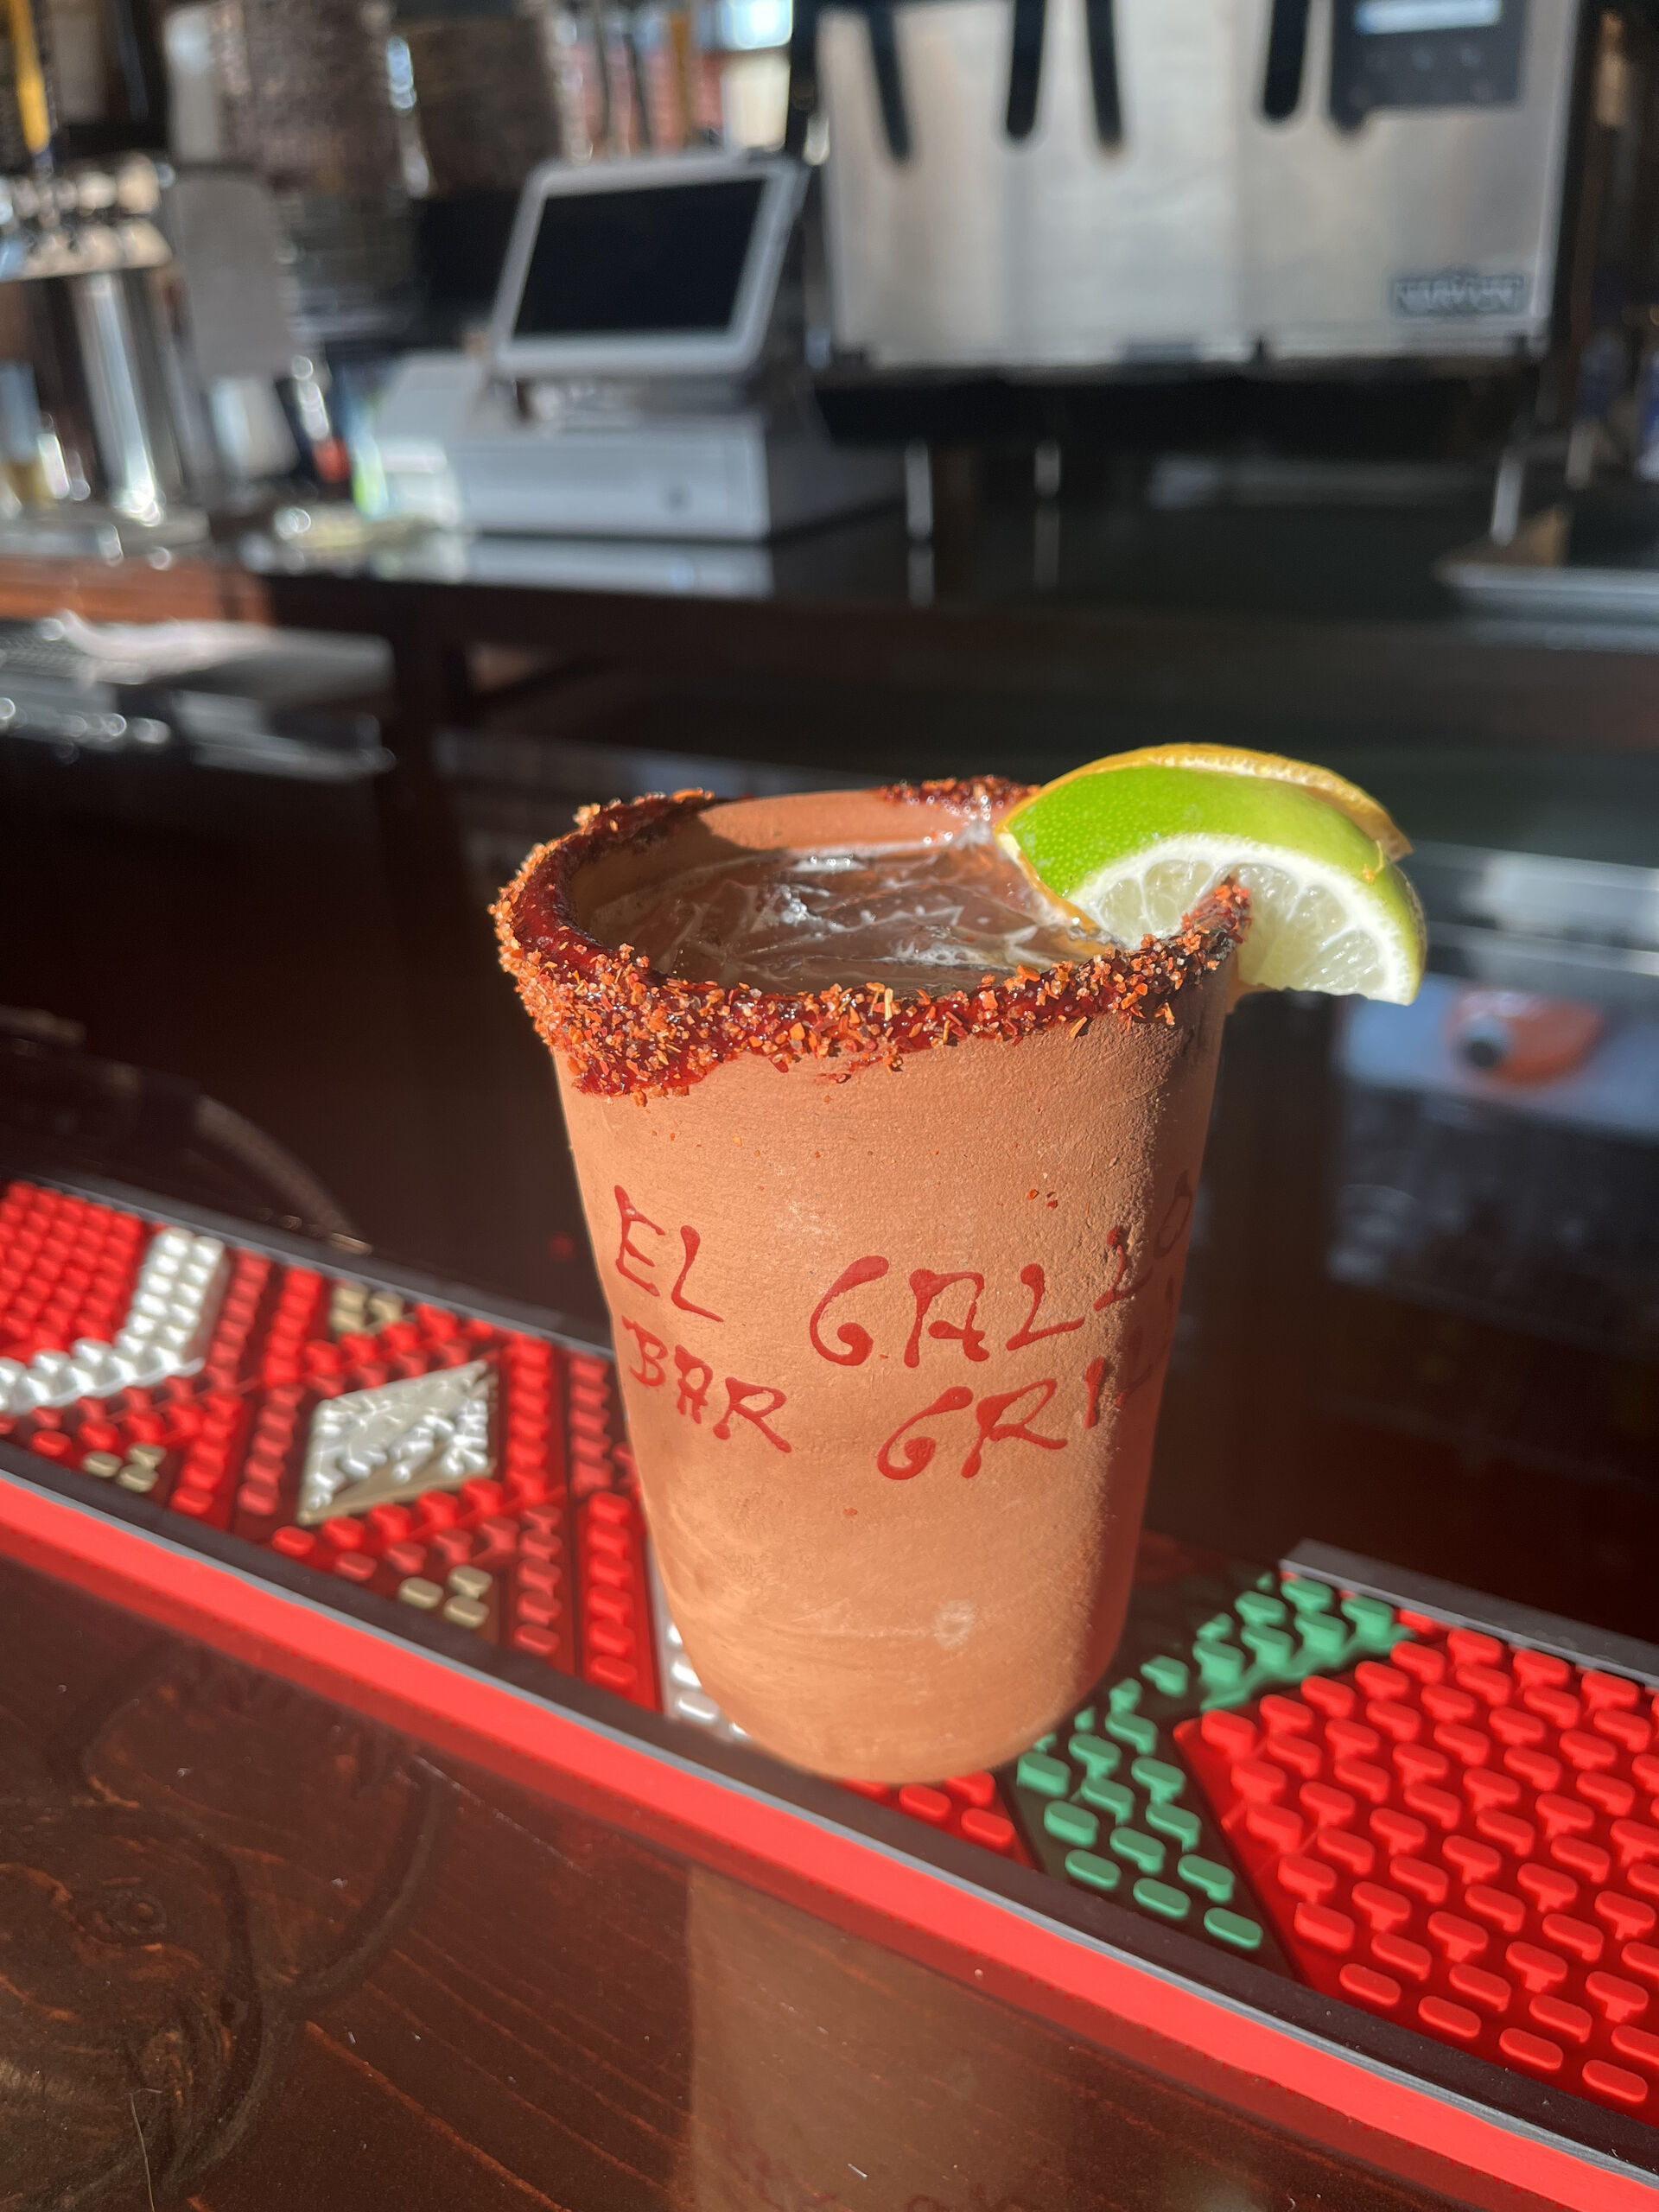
(1235, 761)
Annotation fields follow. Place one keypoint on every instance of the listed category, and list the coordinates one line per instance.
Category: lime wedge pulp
(1133, 844)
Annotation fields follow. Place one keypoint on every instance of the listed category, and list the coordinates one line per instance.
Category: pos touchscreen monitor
(658, 267)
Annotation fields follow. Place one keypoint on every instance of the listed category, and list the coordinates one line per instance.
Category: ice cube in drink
(938, 916)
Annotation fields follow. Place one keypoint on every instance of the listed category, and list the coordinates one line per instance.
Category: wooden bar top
(259, 1954)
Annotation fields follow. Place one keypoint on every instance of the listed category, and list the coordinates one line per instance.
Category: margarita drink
(889, 1167)
(939, 915)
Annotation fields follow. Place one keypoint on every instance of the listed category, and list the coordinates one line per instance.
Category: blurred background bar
(422, 418)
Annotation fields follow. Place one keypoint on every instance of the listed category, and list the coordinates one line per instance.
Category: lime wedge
(1234, 760)
(1133, 844)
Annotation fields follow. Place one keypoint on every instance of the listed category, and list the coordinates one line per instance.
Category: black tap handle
(1025, 67)
(804, 91)
(803, 76)
(1282, 88)
(139, 65)
(644, 132)
(889, 80)
(1103, 72)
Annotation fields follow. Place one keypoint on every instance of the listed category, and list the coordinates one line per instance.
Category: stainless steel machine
(1072, 185)
(144, 329)
(99, 431)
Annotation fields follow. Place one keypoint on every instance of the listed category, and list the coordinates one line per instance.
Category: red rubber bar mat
(1462, 1837)
(1314, 1826)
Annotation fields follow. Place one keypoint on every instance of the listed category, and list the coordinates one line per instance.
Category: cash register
(643, 376)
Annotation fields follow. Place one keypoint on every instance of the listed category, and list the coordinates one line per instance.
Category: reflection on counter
(398, 552)
(822, 2075)
(223, 695)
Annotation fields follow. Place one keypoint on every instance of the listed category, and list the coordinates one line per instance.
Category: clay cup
(892, 1296)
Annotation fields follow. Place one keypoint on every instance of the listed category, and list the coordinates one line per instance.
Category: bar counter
(1312, 628)
(1457, 1376)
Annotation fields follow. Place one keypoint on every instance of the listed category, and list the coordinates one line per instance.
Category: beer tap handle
(1025, 67)
(1103, 72)
(1282, 88)
(889, 80)
(884, 60)
(645, 124)
(30, 86)
(803, 76)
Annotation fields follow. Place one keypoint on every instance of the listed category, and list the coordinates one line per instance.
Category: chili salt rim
(626, 1030)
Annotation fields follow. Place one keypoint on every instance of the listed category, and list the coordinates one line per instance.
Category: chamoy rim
(626, 1030)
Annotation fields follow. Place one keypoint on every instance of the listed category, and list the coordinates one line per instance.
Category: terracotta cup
(891, 1341)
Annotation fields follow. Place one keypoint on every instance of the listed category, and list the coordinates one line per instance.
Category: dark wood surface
(255, 1954)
